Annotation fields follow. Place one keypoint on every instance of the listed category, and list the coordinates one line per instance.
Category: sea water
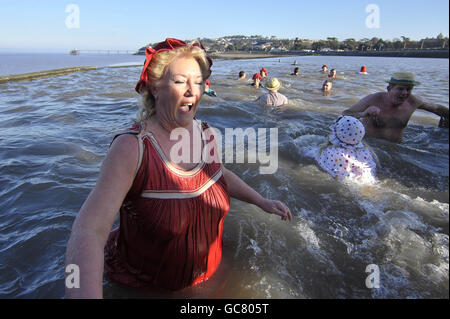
(56, 132)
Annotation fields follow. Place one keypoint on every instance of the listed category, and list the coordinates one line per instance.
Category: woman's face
(179, 92)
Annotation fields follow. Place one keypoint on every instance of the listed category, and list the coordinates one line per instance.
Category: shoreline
(237, 55)
(247, 55)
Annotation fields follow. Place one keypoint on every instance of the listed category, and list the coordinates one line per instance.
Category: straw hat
(273, 84)
(403, 78)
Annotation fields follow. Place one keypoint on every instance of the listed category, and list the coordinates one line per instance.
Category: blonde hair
(157, 70)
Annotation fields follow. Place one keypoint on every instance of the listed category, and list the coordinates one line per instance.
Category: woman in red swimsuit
(171, 212)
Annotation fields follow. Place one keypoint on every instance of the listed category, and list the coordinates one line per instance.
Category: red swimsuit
(171, 221)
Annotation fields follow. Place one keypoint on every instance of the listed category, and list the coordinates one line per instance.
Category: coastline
(247, 55)
(236, 55)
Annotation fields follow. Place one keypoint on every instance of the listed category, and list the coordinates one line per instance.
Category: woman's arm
(240, 190)
(93, 224)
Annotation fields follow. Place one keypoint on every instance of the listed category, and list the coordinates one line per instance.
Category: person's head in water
(263, 73)
(242, 75)
(324, 68)
(256, 80)
(332, 73)
(327, 85)
(296, 71)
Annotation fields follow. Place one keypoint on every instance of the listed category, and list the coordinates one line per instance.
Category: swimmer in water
(242, 76)
(324, 68)
(256, 80)
(326, 87)
(296, 71)
(273, 98)
(385, 115)
(208, 91)
(346, 157)
(263, 73)
(332, 74)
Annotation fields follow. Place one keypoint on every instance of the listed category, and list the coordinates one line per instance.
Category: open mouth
(187, 107)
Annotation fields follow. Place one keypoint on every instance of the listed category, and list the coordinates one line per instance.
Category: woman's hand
(276, 207)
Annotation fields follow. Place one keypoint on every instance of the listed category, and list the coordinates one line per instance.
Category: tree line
(258, 43)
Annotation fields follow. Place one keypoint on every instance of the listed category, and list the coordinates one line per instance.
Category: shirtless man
(386, 114)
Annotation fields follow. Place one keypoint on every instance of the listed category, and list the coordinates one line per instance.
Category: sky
(62, 25)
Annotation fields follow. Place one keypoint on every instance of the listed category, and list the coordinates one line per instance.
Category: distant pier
(78, 51)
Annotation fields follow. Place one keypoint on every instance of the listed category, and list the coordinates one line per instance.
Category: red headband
(167, 45)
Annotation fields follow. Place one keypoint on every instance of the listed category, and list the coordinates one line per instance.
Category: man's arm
(437, 109)
(365, 107)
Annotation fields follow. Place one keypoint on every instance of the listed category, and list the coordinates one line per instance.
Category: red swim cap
(167, 45)
(363, 69)
(257, 75)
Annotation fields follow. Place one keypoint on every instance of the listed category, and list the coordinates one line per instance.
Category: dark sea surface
(56, 132)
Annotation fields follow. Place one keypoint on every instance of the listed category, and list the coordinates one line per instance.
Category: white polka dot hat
(347, 131)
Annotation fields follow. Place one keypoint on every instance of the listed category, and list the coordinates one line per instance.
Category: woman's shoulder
(123, 154)
(127, 141)
(125, 144)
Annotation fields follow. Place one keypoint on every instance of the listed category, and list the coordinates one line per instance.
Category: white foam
(254, 246)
